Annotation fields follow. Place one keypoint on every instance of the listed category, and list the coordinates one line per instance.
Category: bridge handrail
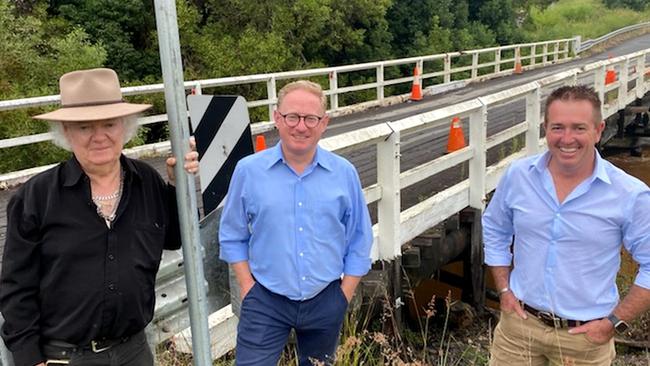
(481, 68)
(588, 44)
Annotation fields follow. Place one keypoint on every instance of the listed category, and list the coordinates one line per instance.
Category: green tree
(411, 22)
(31, 64)
(499, 16)
(125, 29)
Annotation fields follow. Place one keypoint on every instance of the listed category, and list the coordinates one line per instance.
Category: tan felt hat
(91, 95)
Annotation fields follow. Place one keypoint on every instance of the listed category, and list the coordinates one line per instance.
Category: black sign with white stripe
(223, 136)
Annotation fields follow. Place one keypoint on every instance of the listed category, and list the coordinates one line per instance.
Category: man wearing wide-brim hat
(84, 239)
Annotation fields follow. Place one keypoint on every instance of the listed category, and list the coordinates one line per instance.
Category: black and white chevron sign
(223, 136)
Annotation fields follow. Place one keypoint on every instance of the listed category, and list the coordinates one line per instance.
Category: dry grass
(372, 336)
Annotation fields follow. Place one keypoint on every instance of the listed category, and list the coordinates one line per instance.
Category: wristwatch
(619, 325)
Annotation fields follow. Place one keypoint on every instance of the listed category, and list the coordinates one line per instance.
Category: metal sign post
(170, 59)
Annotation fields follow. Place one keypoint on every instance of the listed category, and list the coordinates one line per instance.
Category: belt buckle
(57, 362)
(93, 347)
(548, 317)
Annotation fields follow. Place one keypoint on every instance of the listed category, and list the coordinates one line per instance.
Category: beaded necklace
(98, 199)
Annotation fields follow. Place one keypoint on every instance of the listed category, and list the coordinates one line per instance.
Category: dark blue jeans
(267, 318)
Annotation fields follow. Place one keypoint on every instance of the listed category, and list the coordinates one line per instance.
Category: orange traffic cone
(610, 77)
(518, 69)
(456, 139)
(416, 89)
(260, 143)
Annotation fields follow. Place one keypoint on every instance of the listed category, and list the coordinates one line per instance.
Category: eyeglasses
(292, 119)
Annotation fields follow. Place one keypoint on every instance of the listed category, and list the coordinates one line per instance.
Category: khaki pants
(531, 342)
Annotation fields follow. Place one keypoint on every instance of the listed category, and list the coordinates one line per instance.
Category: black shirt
(66, 275)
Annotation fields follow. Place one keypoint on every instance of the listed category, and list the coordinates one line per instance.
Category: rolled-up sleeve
(498, 226)
(358, 232)
(234, 234)
(636, 236)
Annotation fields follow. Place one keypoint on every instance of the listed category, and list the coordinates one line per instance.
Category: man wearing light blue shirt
(296, 230)
(569, 212)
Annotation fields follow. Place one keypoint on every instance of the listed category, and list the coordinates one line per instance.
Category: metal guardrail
(588, 44)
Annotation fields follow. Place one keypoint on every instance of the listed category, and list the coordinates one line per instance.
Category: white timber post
(545, 51)
(599, 86)
(380, 82)
(622, 85)
(334, 90)
(477, 164)
(533, 117)
(533, 54)
(475, 65)
(497, 61)
(640, 76)
(577, 41)
(388, 207)
(420, 65)
(447, 76)
(556, 51)
(272, 96)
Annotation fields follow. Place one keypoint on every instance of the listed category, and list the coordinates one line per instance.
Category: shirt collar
(72, 171)
(320, 157)
(540, 163)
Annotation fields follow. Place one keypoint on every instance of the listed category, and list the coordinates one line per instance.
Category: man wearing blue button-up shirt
(569, 211)
(296, 230)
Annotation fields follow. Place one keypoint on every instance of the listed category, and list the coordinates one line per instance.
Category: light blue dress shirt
(299, 232)
(567, 255)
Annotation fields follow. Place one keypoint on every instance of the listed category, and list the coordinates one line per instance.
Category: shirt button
(301, 254)
(299, 229)
(304, 278)
(111, 287)
(300, 204)
(111, 257)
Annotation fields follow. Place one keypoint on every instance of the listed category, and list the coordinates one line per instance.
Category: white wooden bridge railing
(395, 226)
(437, 70)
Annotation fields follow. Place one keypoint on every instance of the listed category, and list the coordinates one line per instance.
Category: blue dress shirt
(567, 255)
(299, 232)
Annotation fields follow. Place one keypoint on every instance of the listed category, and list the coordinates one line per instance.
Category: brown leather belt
(551, 320)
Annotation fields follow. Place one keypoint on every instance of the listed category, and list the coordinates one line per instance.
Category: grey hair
(59, 139)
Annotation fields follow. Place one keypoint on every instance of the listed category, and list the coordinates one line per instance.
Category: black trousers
(134, 352)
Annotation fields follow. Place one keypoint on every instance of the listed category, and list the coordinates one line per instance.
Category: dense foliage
(40, 40)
